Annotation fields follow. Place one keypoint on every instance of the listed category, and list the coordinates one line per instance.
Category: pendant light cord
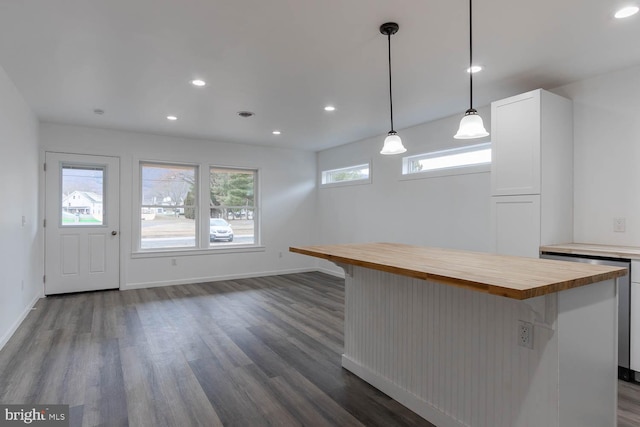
(470, 58)
(390, 97)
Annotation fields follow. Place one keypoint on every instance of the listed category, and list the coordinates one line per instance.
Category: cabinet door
(515, 130)
(516, 225)
(635, 325)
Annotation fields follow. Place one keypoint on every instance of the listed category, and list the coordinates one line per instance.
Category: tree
(240, 190)
(190, 202)
(233, 190)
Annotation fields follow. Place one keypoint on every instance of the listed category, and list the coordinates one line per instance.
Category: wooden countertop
(626, 252)
(508, 276)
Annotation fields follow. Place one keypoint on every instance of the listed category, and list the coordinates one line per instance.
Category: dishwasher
(624, 305)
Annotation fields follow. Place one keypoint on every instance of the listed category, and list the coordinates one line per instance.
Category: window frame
(139, 206)
(83, 166)
(202, 213)
(256, 208)
(463, 169)
(358, 181)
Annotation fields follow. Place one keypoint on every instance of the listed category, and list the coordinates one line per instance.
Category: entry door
(81, 223)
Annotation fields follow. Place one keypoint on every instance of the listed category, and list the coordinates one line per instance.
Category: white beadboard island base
(451, 354)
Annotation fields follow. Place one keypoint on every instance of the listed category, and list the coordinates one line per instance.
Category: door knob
(114, 232)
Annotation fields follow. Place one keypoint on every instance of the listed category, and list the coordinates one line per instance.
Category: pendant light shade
(392, 143)
(471, 125)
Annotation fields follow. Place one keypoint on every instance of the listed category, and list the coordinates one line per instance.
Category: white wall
(454, 211)
(606, 156)
(448, 211)
(287, 186)
(20, 260)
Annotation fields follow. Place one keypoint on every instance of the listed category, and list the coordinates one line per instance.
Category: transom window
(349, 174)
(462, 157)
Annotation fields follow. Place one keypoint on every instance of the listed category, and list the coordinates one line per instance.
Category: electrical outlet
(174, 262)
(525, 334)
(619, 225)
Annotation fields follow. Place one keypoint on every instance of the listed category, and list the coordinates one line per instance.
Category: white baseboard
(142, 285)
(406, 398)
(7, 336)
(333, 273)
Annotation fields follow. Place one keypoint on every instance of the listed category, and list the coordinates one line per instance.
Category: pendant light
(392, 143)
(471, 125)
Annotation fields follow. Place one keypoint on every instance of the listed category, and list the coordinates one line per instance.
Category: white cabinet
(532, 155)
(516, 145)
(635, 317)
(516, 225)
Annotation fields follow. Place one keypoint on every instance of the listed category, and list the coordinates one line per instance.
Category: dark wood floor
(244, 353)
(628, 404)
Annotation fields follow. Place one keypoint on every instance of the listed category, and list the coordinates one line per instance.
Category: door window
(82, 201)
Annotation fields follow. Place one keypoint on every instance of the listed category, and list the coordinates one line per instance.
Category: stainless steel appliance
(624, 305)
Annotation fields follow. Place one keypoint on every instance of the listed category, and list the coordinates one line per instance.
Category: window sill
(346, 183)
(192, 252)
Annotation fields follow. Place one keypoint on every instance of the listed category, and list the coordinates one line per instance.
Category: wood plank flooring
(628, 404)
(251, 352)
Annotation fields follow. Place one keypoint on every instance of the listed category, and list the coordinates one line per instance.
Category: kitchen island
(475, 339)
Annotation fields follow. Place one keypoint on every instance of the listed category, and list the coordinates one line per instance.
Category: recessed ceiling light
(474, 69)
(329, 108)
(198, 82)
(98, 111)
(172, 118)
(276, 132)
(245, 114)
(626, 12)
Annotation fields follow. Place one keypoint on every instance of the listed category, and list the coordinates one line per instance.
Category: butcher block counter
(610, 251)
(482, 340)
(508, 276)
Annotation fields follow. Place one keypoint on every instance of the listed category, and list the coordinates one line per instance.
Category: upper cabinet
(532, 143)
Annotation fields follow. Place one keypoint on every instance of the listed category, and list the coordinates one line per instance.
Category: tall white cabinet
(634, 357)
(531, 172)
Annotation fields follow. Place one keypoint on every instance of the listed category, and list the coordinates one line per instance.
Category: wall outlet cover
(525, 334)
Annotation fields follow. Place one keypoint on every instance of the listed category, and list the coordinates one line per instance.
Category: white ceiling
(286, 59)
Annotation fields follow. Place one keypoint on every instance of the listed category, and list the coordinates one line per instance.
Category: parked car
(219, 229)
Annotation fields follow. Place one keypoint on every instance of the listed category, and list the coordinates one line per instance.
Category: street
(182, 242)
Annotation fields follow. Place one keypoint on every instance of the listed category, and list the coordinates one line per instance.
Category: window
(232, 207)
(350, 174)
(82, 191)
(168, 206)
(177, 213)
(463, 157)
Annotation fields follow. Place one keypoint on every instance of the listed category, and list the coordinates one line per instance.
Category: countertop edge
(491, 289)
(609, 251)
